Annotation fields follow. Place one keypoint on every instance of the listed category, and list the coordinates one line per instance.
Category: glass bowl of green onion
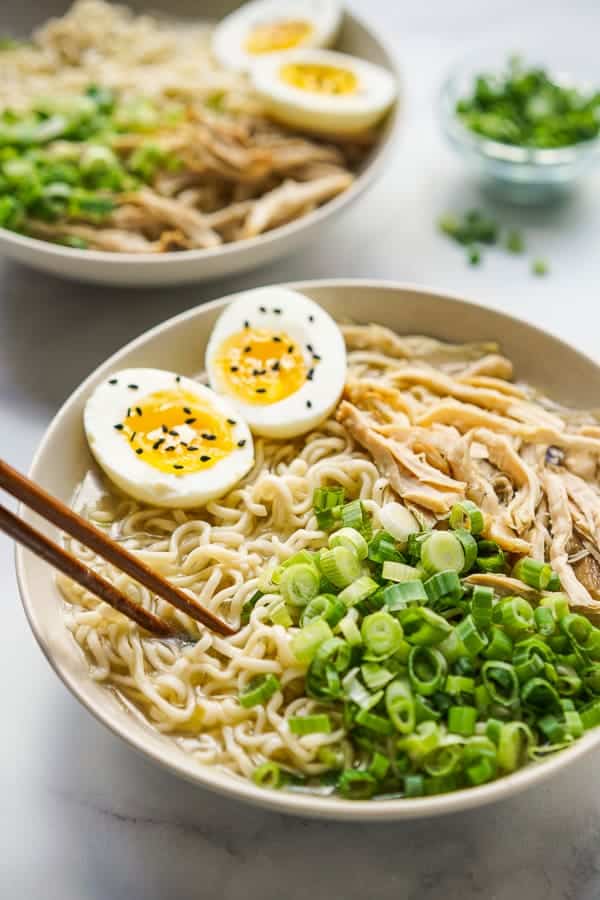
(527, 129)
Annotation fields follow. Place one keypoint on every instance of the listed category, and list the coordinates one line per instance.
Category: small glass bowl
(522, 175)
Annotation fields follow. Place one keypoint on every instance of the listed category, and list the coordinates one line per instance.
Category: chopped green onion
(554, 583)
(577, 628)
(482, 602)
(540, 696)
(279, 614)
(467, 516)
(427, 670)
(472, 638)
(379, 766)
(269, 775)
(558, 604)
(359, 590)
(399, 572)
(443, 760)
(414, 786)
(373, 722)
(590, 715)
(500, 646)
(461, 720)
(350, 629)
(490, 557)
(544, 620)
(443, 587)
(340, 566)
(319, 723)
(540, 267)
(382, 548)
(400, 706)
(421, 742)
(459, 684)
(327, 498)
(516, 615)
(357, 784)
(452, 647)
(352, 539)
(514, 741)
(306, 642)
(398, 521)
(324, 606)
(533, 572)
(423, 626)
(355, 516)
(501, 681)
(382, 635)
(442, 552)
(249, 606)
(407, 593)
(259, 691)
(469, 545)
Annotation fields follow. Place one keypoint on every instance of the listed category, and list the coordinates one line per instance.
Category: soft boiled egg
(165, 439)
(280, 359)
(271, 26)
(323, 91)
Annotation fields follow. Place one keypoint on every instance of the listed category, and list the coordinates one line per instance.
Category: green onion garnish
(260, 690)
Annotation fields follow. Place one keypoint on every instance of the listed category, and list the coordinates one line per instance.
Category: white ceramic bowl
(63, 458)
(182, 267)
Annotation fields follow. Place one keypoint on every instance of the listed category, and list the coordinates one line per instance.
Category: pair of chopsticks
(51, 509)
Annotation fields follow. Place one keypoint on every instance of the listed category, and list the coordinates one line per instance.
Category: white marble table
(82, 816)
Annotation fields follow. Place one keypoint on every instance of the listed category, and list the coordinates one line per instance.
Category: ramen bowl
(171, 268)
(63, 459)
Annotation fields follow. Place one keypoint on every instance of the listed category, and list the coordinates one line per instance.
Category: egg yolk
(261, 366)
(274, 36)
(320, 79)
(176, 432)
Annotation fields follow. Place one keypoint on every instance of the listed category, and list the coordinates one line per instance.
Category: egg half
(263, 27)
(323, 91)
(165, 439)
(280, 359)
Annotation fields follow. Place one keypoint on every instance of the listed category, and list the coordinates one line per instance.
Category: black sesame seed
(119, 427)
(255, 371)
(309, 404)
(209, 437)
(157, 443)
(182, 444)
(311, 318)
(132, 387)
(192, 449)
(113, 381)
(247, 349)
(174, 433)
(291, 348)
(277, 311)
(139, 451)
(169, 449)
(276, 366)
(309, 347)
(232, 421)
(190, 421)
(242, 443)
(165, 430)
(128, 412)
(263, 309)
(310, 374)
(277, 339)
(138, 410)
(187, 410)
(261, 390)
(205, 459)
(132, 438)
(246, 324)
(178, 378)
(316, 357)
(234, 368)
(177, 466)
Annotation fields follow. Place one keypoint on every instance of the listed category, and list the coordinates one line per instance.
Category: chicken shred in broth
(426, 422)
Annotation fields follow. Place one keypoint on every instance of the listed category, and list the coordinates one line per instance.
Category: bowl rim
(364, 177)
(292, 803)
(510, 155)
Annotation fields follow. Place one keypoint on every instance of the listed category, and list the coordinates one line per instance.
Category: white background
(81, 816)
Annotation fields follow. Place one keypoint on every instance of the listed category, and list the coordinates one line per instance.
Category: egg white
(108, 406)
(231, 33)
(306, 323)
(322, 113)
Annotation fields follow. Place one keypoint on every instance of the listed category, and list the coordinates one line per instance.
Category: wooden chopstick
(52, 553)
(56, 512)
